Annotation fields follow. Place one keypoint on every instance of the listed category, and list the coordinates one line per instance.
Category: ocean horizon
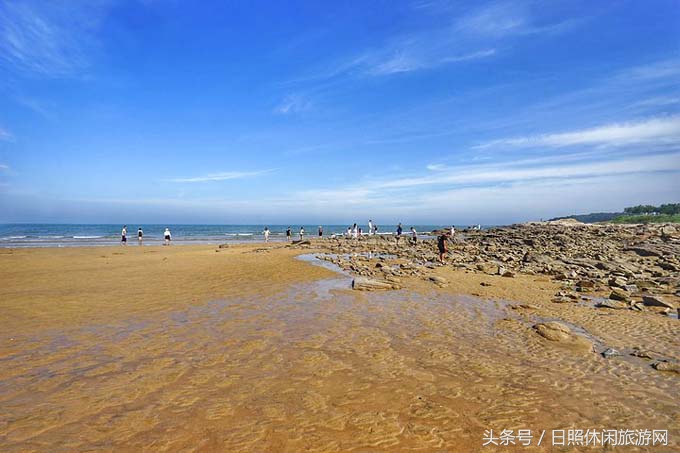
(14, 235)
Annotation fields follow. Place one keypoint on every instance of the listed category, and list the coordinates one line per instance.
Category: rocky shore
(635, 267)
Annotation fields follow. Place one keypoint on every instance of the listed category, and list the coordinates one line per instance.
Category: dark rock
(656, 301)
(618, 294)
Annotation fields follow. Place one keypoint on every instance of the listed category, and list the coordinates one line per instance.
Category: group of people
(140, 236)
(352, 232)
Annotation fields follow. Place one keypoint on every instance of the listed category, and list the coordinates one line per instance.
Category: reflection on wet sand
(319, 367)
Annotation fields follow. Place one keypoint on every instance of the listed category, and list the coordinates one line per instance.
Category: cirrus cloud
(658, 131)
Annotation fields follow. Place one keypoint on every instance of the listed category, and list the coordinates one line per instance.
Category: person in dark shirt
(288, 234)
(399, 231)
(442, 246)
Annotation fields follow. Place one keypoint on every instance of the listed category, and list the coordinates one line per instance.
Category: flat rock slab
(369, 284)
(656, 301)
(613, 304)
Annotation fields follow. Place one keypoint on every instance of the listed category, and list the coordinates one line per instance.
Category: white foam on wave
(87, 237)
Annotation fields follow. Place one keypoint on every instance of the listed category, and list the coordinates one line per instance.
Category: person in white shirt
(349, 232)
(167, 236)
(302, 233)
(266, 234)
(370, 227)
(453, 231)
(123, 236)
(355, 232)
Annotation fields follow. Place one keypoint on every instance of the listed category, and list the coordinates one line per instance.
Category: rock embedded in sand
(439, 281)
(619, 294)
(656, 301)
(613, 304)
(561, 334)
(667, 366)
(553, 331)
(610, 352)
(369, 284)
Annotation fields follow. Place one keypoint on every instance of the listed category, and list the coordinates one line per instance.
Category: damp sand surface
(250, 349)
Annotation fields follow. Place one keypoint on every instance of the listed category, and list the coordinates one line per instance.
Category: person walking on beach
(354, 231)
(266, 234)
(320, 232)
(399, 231)
(442, 246)
(453, 231)
(375, 229)
(288, 234)
(167, 236)
(370, 227)
(123, 236)
(140, 235)
(302, 233)
(349, 232)
(414, 236)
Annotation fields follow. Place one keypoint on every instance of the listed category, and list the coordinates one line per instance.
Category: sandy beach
(248, 348)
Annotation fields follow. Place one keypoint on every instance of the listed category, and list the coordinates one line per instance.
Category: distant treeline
(669, 209)
(630, 214)
(593, 217)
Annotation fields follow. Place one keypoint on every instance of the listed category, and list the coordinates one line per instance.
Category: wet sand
(250, 349)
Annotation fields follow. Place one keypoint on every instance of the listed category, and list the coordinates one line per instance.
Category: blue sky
(274, 112)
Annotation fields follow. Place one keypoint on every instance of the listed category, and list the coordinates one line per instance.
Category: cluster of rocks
(633, 266)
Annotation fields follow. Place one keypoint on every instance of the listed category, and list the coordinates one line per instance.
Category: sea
(86, 235)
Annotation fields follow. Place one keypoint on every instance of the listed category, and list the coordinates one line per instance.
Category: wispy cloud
(5, 134)
(660, 131)
(4, 167)
(293, 103)
(527, 170)
(506, 19)
(657, 70)
(436, 167)
(53, 40)
(659, 101)
(418, 59)
(221, 176)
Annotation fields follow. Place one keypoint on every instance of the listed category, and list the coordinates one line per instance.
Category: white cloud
(46, 39)
(293, 103)
(659, 101)
(505, 19)
(5, 135)
(418, 59)
(657, 70)
(4, 167)
(221, 176)
(527, 170)
(659, 131)
(436, 167)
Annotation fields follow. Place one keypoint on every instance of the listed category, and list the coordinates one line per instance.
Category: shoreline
(249, 348)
